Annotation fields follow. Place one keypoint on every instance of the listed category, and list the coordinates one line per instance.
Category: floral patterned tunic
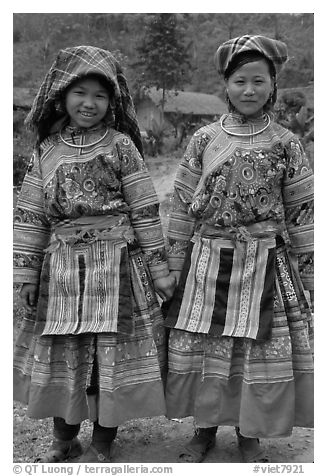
(231, 181)
(105, 196)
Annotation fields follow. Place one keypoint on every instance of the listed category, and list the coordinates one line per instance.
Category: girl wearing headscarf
(241, 248)
(89, 253)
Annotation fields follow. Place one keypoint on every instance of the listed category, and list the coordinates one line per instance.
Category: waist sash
(89, 229)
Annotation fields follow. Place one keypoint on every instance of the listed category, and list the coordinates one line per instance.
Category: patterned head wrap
(70, 65)
(273, 50)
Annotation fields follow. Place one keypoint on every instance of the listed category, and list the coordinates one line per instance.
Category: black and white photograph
(163, 241)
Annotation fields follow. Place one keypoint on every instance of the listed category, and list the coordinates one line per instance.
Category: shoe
(250, 449)
(196, 450)
(60, 450)
(92, 455)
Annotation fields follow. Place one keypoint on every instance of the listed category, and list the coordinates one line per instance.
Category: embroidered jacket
(63, 183)
(231, 181)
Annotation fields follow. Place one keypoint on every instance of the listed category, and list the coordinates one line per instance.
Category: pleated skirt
(111, 377)
(264, 387)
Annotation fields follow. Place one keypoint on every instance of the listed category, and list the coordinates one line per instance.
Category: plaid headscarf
(72, 64)
(273, 50)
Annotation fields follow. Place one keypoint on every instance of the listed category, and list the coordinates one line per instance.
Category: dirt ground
(158, 439)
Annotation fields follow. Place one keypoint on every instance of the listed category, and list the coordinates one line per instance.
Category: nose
(88, 101)
(249, 91)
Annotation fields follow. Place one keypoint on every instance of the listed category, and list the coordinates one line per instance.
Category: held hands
(165, 287)
(29, 295)
(177, 275)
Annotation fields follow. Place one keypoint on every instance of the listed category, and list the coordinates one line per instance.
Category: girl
(240, 245)
(89, 253)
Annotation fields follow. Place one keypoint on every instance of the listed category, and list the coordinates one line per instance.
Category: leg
(196, 450)
(100, 448)
(250, 449)
(65, 443)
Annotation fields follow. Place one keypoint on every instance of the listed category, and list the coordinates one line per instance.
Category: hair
(96, 76)
(250, 57)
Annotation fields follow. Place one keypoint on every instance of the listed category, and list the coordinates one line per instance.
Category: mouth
(87, 114)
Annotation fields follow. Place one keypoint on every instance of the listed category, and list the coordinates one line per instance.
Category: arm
(181, 223)
(298, 203)
(140, 195)
(31, 233)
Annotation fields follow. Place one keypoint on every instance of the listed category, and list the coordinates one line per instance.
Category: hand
(165, 287)
(177, 275)
(29, 295)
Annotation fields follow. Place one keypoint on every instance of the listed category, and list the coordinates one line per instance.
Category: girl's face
(249, 87)
(87, 102)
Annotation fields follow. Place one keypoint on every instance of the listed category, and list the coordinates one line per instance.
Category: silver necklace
(224, 116)
(82, 146)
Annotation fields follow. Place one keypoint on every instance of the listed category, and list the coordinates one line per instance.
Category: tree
(163, 58)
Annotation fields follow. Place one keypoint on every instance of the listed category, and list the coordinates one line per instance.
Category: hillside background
(38, 37)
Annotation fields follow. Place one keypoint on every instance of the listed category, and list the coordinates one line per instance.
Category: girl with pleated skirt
(90, 256)
(241, 247)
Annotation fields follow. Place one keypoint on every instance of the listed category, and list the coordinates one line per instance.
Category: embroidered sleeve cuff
(176, 263)
(308, 282)
(23, 275)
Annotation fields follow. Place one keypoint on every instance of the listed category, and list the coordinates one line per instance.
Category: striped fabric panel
(30, 238)
(197, 306)
(298, 201)
(234, 291)
(301, 238)
(149, 233)
(299, 189)
(226, 290)
(67, 360)
(263, 288)
(101, 294)
(31, 194)
(31, 228)
(250, 298)
(187, 177)
(139, 190)
(181, 226)
(24, 275)
(84, 290)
